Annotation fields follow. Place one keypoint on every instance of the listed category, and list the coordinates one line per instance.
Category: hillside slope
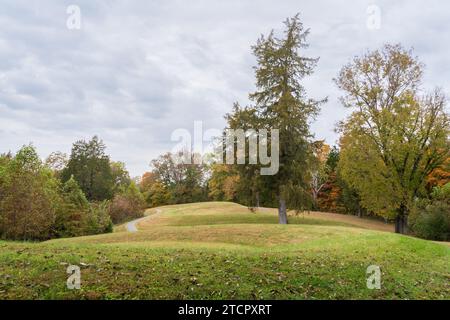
(222, 250)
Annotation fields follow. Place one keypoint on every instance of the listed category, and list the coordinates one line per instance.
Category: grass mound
(223, 251)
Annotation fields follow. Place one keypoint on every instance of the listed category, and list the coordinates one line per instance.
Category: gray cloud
(137, 70)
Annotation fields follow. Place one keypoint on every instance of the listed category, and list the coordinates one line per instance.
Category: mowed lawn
(223, 251)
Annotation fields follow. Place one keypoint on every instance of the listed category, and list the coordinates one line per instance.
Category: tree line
(83, 194)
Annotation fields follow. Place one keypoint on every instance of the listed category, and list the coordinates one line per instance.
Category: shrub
(430, 219)
(98, 219)
(127, 205)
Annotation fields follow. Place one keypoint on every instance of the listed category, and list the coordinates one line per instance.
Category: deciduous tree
(394, 138)
(185, 182)
(223, 183)
(28, 197)
(320, 172)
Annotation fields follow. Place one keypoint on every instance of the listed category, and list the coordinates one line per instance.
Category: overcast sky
(137, 70)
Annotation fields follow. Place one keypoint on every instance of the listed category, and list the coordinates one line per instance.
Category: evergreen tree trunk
(401, 221)
(282, 212)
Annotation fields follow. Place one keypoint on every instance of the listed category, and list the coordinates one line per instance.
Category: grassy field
(224, 251)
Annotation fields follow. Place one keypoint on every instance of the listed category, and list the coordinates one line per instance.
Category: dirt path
(132, 225)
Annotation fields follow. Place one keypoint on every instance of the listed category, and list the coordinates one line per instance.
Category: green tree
(430, 218)
(158, 195)
(28, 197)
(120, 175)
(185, 182)
(74, 195)
(98, 218)
(223, 182)
(333, 158)
(249, 186)
(280, 102)
(394, 138)
(90, 167)
(154, 191)
(71, 219)
(349, 198)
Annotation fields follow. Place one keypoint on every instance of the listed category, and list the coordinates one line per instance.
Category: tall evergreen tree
(280, 102)
(72, 215)
(90, 167)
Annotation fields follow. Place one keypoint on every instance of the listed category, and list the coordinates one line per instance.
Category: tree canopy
(395, 137)
(90, 167)
(280, 103)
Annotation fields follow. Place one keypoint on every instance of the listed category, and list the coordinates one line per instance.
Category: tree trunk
(282, 214)
(359, 211)
(401, 221)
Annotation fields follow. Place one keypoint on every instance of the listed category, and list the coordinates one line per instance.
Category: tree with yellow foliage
(394, 138)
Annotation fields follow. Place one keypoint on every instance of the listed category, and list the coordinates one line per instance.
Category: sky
(133, 72)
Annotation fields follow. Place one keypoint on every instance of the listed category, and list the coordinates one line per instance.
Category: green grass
(223, 251)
